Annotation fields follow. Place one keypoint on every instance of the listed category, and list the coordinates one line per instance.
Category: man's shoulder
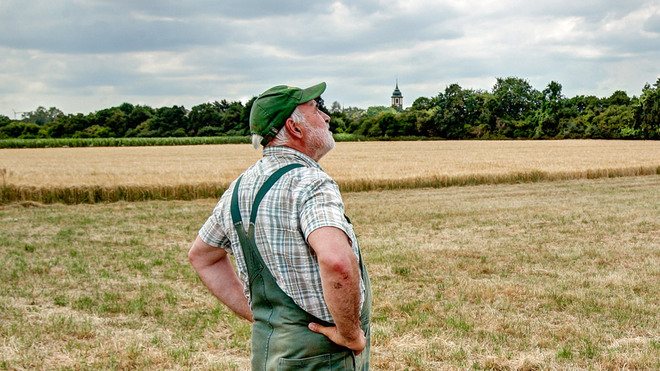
(310, 177)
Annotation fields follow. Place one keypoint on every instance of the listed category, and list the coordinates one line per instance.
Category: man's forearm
(340, 278)
(341, 289)
(223, 283)
(218, 275)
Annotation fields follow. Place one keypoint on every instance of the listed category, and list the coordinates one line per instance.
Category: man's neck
(300, 147)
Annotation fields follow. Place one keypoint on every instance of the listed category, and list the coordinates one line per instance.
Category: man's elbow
(344, 267)
(196, 257)
(193, 257)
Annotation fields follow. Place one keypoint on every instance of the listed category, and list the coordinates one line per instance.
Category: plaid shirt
(303, 200)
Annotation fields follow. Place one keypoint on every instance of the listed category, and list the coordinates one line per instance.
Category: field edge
(10, 193)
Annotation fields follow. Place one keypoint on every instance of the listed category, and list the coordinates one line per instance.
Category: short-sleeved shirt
(303, 200)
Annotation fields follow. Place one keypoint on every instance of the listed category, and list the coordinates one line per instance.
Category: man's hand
(357, 344)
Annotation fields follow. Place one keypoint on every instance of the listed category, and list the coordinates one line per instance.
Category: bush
(209, 131)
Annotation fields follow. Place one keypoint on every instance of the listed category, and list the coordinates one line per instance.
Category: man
(300, 281)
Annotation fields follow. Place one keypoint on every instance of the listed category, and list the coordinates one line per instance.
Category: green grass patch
(119, 142)
(169, 141)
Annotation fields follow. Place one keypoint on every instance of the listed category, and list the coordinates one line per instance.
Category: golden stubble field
(354, 165)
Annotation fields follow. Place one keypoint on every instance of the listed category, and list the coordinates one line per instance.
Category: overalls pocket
(334, 361)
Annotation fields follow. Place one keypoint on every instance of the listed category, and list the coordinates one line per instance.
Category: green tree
(422, 113)
(406, 124)
(168, 121)
(451, 114)
(574, 116)
(335, 107)
(70, 125)
(353, 117)
(546, 119)
(647, 112)
(610, 123)
(384, 125)
(117, 124)
(96, 131)
(207, 116)
(425, 122)
(460, 113)
(421, 103)
(113, 118)
(4, 120)
(516, 98)
(245, 117)
(375, 121)
(126, 108)
(377, 110)
(337, 118)
(219, 118)
(12, 130)
(209, 131)
(232, 119)
(42, 116)
(618, 98)
(353, 113)
(367, 126)
(138, 115)
(21, 130)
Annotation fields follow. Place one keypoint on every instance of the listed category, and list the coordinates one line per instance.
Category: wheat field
(186, 172)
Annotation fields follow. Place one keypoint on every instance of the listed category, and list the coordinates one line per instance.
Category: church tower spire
(397, 97)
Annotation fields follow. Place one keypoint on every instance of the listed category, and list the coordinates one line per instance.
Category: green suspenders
(253, 260)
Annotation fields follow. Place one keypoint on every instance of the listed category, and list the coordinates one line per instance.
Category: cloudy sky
(86, 55)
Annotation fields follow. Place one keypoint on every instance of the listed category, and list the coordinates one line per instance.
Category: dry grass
(75, 175)
(544, 276)
(521, 277)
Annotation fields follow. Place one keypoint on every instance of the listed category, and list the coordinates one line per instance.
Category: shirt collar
(291, 155)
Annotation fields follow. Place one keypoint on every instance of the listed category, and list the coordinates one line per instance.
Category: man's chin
(322, 151)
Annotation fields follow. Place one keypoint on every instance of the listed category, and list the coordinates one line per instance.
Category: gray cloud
(653, 24)
(90, 53)
(64, 29)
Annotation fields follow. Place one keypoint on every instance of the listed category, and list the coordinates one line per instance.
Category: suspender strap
(253, 260)
(266, 187)
(235, 210)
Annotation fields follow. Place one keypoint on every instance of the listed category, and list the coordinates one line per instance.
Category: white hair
(282, 136)
(298, 117)
(256, 140)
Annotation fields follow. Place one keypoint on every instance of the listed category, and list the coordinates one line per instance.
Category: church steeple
(397, 97)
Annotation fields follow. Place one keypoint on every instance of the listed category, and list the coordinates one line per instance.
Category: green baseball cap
(271, 109)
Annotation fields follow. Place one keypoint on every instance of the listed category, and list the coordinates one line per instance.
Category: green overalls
(281, 339)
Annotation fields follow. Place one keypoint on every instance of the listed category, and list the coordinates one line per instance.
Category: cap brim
(312, 92)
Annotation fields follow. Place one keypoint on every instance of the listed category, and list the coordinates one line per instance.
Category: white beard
(320, 140)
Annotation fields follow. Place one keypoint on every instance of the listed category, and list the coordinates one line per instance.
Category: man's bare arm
(218, 275)
(340, 277)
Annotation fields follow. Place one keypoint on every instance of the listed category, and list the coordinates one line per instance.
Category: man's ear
(293, 128)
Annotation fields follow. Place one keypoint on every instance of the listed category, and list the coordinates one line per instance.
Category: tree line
(512, 109)
(128, 120)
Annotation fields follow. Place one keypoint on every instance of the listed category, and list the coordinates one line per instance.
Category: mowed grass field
(556, 275)
(74, 175)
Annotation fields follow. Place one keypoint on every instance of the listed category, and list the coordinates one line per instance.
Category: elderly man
(301, 280)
